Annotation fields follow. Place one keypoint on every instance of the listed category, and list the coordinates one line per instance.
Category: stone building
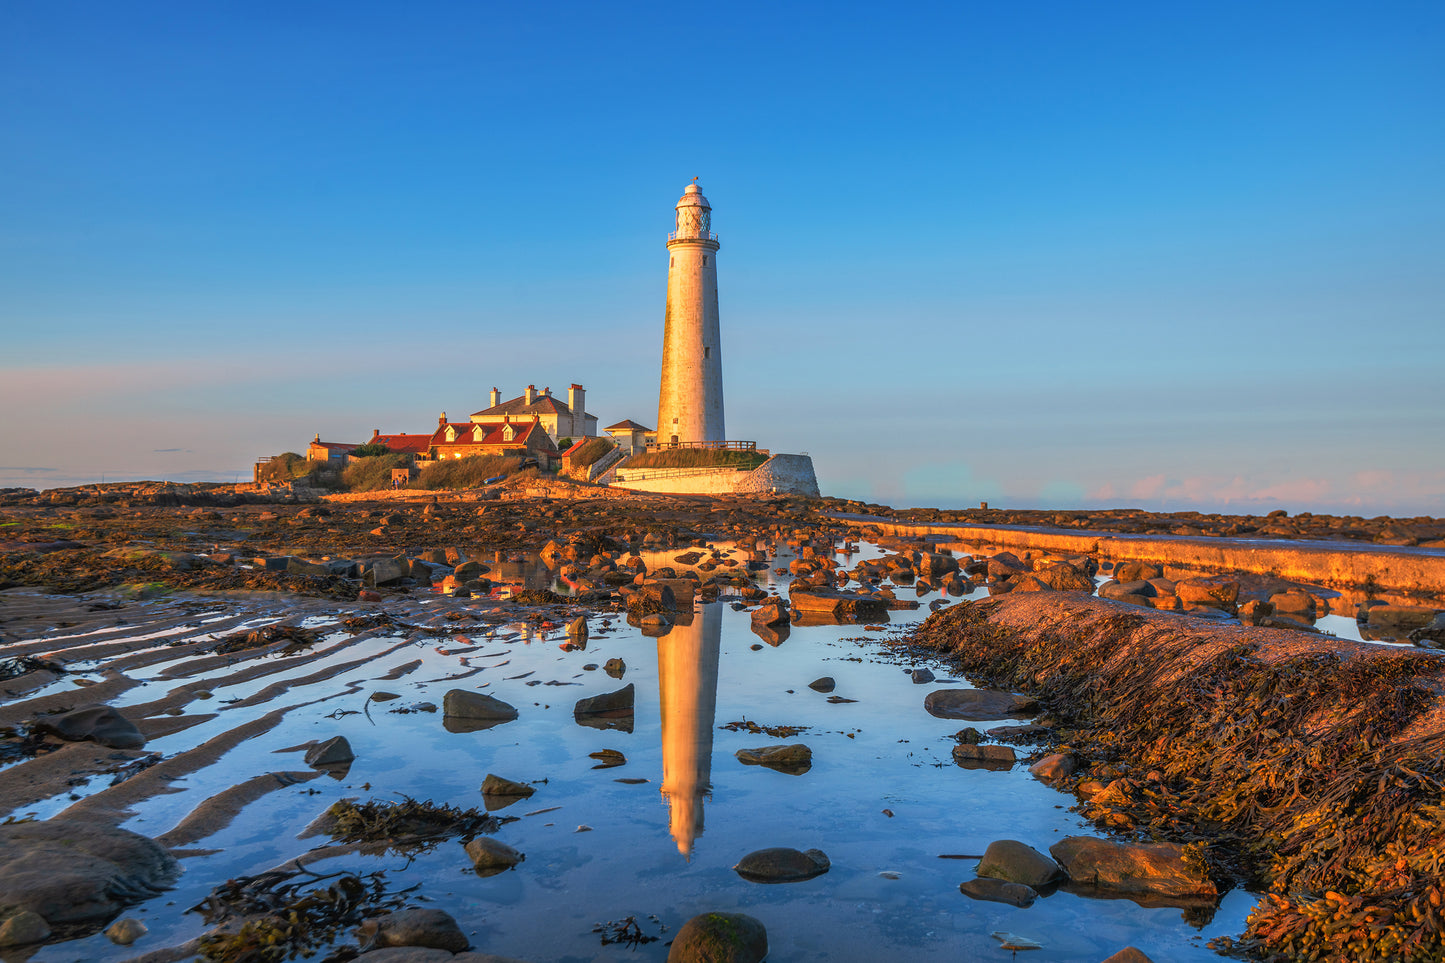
(331, 451)
(630, 435)
(560, 419)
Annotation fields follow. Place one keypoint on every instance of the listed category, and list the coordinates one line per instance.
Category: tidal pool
(883, 797)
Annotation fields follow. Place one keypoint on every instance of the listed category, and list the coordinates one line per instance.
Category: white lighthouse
(690, 402)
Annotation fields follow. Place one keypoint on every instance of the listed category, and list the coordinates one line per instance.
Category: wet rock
(22, 928)
(824, 684)
(1137, 571)
(414, 927)
(795, 759)
(774, 635)
(839, 605)
(1054, 766)
(1400, 616)
(782, 865)
(610, 710)
(607, 758)
(335, 751)
(719, 938)
(1025, 735)
(384, 571)
(499, 793)
(999, 891)
(936, 565)
(96, 723)
(1431, 636)
(464, 704)
(1153, 869)
(773, 612)
(922, 676)
(984, 757)
(491, 856)
(577, 628)
(125, 932)
(615, 668)
(1125, 591)
(1016, 862)
(968, 736)
(68, 871)
(977, 704)
(1218, 592)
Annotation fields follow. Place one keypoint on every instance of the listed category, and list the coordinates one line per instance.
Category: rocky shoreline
(1307, 767)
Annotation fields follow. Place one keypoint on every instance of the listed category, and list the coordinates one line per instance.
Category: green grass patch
(372, 473)
(698, 458)
(590, 453)
(466, 472)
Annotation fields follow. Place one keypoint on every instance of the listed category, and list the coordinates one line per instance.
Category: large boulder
(974, 756)
(719, 938)
(78, 873)
(824, 603)
(1016, 862)
(771, 612)
(1132, 869)
(977, 705)
(96, 723)
(936, 564)
(782, 865)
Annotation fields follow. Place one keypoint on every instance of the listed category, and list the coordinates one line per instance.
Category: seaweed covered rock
(720, 938)
(1133, 869)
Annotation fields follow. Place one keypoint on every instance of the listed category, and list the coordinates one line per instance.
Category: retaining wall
(783, 474)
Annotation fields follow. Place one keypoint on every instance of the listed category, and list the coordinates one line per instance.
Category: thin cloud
(185, 451)
(24, 469)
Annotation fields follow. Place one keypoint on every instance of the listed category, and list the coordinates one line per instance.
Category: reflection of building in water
(687, 660)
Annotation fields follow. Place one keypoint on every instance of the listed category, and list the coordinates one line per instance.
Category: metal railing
(716, 445)
(704, 236)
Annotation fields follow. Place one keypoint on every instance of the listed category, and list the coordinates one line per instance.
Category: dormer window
(508, 433)
(451, 433)
(478, 433)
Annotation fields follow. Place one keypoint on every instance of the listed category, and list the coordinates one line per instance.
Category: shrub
(698, 458)
(369, 451)
(288, 466)
(467, 472)
(374, 473)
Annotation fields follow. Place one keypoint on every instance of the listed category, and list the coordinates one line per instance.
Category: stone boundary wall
(784, 474)
(1399, 569)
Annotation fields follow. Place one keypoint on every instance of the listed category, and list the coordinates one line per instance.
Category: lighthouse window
(707, 352)
(704, 260)
(671, 262)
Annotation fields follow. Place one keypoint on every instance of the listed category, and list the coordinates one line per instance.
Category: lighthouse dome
(692, 197)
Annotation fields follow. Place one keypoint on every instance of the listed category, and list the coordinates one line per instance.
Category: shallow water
(663, 848)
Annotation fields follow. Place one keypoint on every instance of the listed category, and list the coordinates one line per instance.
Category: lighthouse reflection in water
(687, 662)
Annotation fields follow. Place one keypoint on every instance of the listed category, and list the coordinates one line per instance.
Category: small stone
(577, 628)
(795, 759)
(127, 931)
(825, 684)
(382, 696)
(984, 757)
(1012, 941)
(414, 927)
(491, 856)
(1016, 862)
(335, 751)
(1053, 767)
(921, 676)
(463, 704)
(615, 668)
(999, 891)
(499, 793)
(782, 865)
(720, 938)
(1129, 954)
(22, 928)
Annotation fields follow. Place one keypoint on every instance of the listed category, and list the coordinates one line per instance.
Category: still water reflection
(687, 664)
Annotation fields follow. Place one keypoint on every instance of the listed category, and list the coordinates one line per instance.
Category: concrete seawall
(1353, 564)
(784, 474)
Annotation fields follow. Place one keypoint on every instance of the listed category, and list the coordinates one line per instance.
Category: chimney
(531, 396)
(547, 392)
(442, 420)
(375, 434)
(496, 398)
(576, 399)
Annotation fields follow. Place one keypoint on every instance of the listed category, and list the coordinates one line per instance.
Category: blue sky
(1047, 255)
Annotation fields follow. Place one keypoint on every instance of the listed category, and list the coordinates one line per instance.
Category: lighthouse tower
(690, 403)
